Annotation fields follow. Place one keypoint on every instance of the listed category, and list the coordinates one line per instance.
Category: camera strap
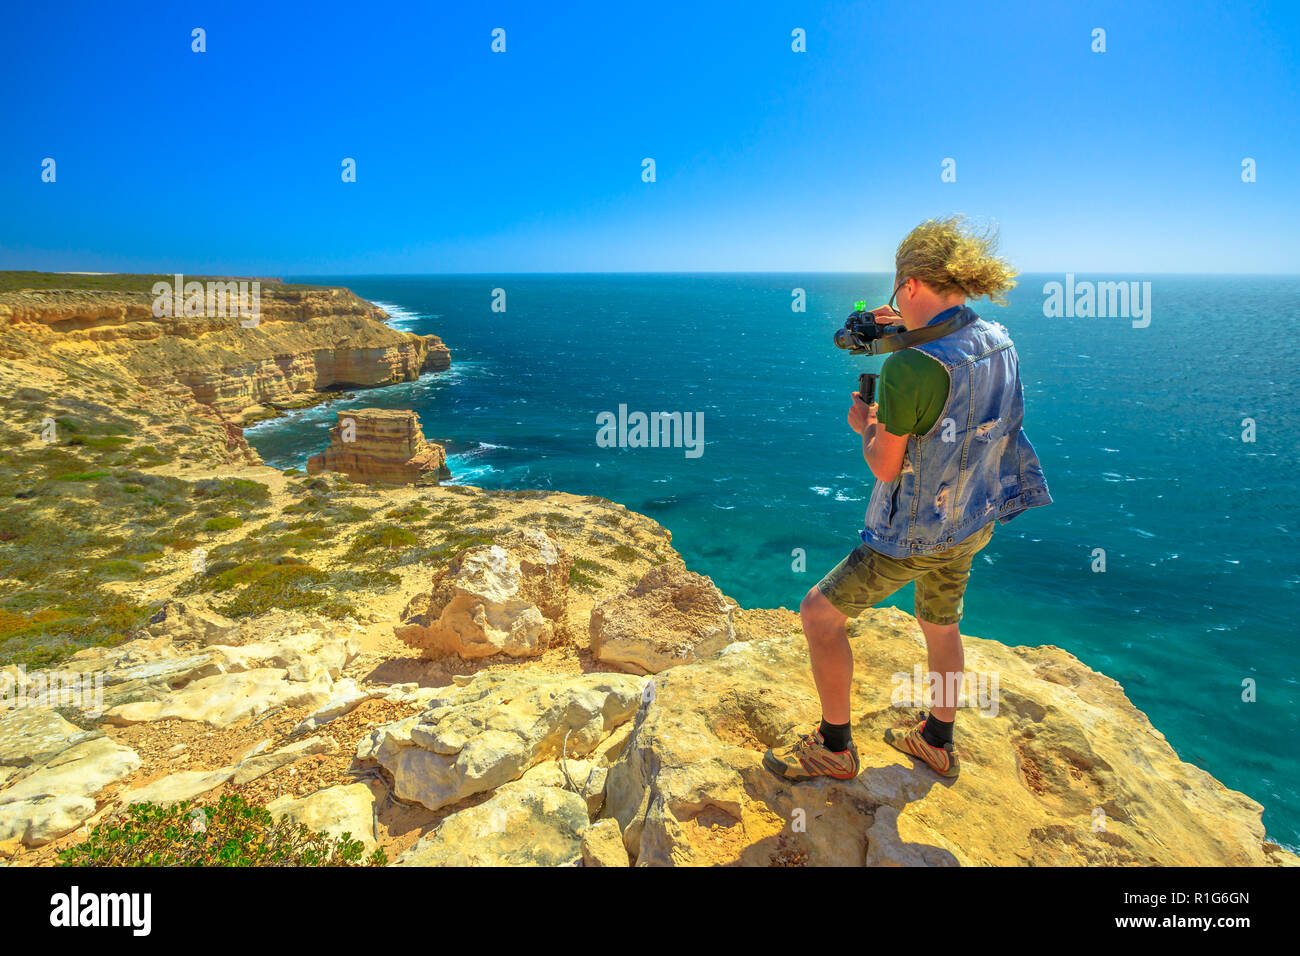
(927, 333)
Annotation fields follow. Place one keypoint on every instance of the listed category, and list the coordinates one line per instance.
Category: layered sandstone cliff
(381, 446)
(302, 342)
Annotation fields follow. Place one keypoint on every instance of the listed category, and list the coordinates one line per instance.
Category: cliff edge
(473, 677)
(302, 342)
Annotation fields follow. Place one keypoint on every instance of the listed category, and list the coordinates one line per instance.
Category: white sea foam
(398, 317)
(478, 451)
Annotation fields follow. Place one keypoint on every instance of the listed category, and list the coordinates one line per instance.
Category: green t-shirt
(912, 391)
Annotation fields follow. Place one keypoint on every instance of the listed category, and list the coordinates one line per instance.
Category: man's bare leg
(948, 660)
(829, 752)
(832, 658)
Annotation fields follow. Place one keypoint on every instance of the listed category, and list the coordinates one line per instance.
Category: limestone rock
(1064, 742)
(474, 738)
(179, 622)
(32, 734)
(151, 670)
(54, 797)
(335, 810)
(586, 777)
(671, 616)
(175, 787)
(540, 826)
(38, 820)
(381, 446)
(504, 598)
(602, 844)
(346, 696)
(224, 699)
(303, 654)
(304, 342)
(258, 765)
(164, 671)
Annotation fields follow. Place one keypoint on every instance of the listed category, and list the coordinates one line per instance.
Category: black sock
(837, 737)
(937, 732)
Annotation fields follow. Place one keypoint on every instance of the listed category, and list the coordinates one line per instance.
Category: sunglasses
(890, 304)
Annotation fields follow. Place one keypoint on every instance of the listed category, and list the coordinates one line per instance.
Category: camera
(861, 334)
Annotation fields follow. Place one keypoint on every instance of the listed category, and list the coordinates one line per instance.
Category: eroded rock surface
(539, 826)
(53, 797)
(1064, 744)
(335, 810)
(476, 737)
(671, 616)
(302, 342)
(381, 446)
(508, 598)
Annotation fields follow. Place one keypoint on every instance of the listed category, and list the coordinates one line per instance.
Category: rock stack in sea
(381, 446)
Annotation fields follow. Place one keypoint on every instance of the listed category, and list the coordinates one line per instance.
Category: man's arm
(882, 451)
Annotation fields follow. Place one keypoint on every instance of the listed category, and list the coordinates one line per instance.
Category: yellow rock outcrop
(381, 446)
(304, 342)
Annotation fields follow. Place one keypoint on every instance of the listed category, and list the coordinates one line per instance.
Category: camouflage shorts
(867, 577)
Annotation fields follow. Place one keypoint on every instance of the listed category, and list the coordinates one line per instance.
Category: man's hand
(886, 316)
(861, 415)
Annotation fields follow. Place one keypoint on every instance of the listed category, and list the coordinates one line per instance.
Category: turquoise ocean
(1140, 432)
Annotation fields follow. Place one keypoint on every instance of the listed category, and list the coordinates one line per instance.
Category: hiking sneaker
(941, 760)
(809, 758)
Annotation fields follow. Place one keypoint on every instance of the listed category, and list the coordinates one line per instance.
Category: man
(950, 460)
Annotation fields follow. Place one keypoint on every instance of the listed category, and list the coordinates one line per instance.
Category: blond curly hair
(950, 255)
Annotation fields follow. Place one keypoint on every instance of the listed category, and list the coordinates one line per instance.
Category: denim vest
(984, 470)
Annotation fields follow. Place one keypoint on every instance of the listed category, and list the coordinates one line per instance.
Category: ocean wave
(398, 317)
(478, 451)
(467, 474)
(292, 419)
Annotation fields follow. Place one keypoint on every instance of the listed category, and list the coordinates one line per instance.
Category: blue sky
(229, 161)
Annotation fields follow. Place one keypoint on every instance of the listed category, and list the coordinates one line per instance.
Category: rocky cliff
(467, 759)
(469, 677)
(305, 341)
(381, 446)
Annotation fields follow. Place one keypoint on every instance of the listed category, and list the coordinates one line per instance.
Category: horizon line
(634, 272)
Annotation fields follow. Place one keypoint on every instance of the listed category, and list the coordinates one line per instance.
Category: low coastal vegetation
(233, 832)
(100, 523)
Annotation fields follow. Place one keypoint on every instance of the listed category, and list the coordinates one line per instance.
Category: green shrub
(586, 564)
(388, 536)
(222, 523)
(99, 441)
(235, 490)
(625, 553)
(232, 833)
(582, 580)
(409, 512)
